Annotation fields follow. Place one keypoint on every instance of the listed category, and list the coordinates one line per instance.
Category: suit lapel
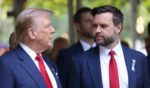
(78, 47)
(53, 70)
(94, 67)
(129, 60)
(29, 66)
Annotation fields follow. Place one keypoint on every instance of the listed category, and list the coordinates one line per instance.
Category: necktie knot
(111, 53)
(38, 57)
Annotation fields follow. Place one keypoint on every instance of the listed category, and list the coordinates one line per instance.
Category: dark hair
(117, 14)
(77, 16)
(125, 43)
(148, 28)
(59, 39)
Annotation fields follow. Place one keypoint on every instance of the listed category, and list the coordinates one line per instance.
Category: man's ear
(77, 27)
(31, 33)
(118, 28)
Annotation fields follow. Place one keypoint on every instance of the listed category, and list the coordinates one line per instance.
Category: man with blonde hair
(24, 67)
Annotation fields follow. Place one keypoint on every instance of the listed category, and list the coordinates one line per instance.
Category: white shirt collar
(32, 54)
(117, 49)
(86, 46)
(29, 51)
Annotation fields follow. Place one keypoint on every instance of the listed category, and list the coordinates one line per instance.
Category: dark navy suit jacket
(86, 71)
(17, 70)
(148, 61)
(64, 59)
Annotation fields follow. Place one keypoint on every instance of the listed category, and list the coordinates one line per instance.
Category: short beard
(87, 35)
(107, 41)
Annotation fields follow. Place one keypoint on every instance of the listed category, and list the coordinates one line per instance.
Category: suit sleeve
(6, 79)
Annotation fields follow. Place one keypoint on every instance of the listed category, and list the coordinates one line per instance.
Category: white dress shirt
(32, 55)
(120, 60)
(86, 46)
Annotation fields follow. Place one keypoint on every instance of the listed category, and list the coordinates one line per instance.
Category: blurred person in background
(125, 43)
(12, 41)
(59, 44)
(82, 22)
(3, 49)
(147, 46)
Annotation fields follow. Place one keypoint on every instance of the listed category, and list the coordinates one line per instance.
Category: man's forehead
(103, 17)
(106, 14)
(86, 16)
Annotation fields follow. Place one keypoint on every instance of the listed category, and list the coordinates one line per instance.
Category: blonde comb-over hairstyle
(26, 20)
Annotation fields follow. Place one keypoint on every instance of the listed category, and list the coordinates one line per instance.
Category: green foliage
(144, 12)
(146, 3)
(5, 3)
(59, 7)
(94, 3)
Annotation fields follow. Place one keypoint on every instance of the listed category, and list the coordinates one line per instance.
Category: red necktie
(43, 71)
(113, 72)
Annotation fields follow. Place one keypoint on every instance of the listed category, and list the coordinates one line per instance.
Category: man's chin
(99, 41)
(90, 36)
(49, 46)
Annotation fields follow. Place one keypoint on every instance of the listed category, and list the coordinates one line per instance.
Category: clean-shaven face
(44, 31)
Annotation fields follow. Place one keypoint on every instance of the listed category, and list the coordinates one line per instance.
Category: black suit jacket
(64, 59)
